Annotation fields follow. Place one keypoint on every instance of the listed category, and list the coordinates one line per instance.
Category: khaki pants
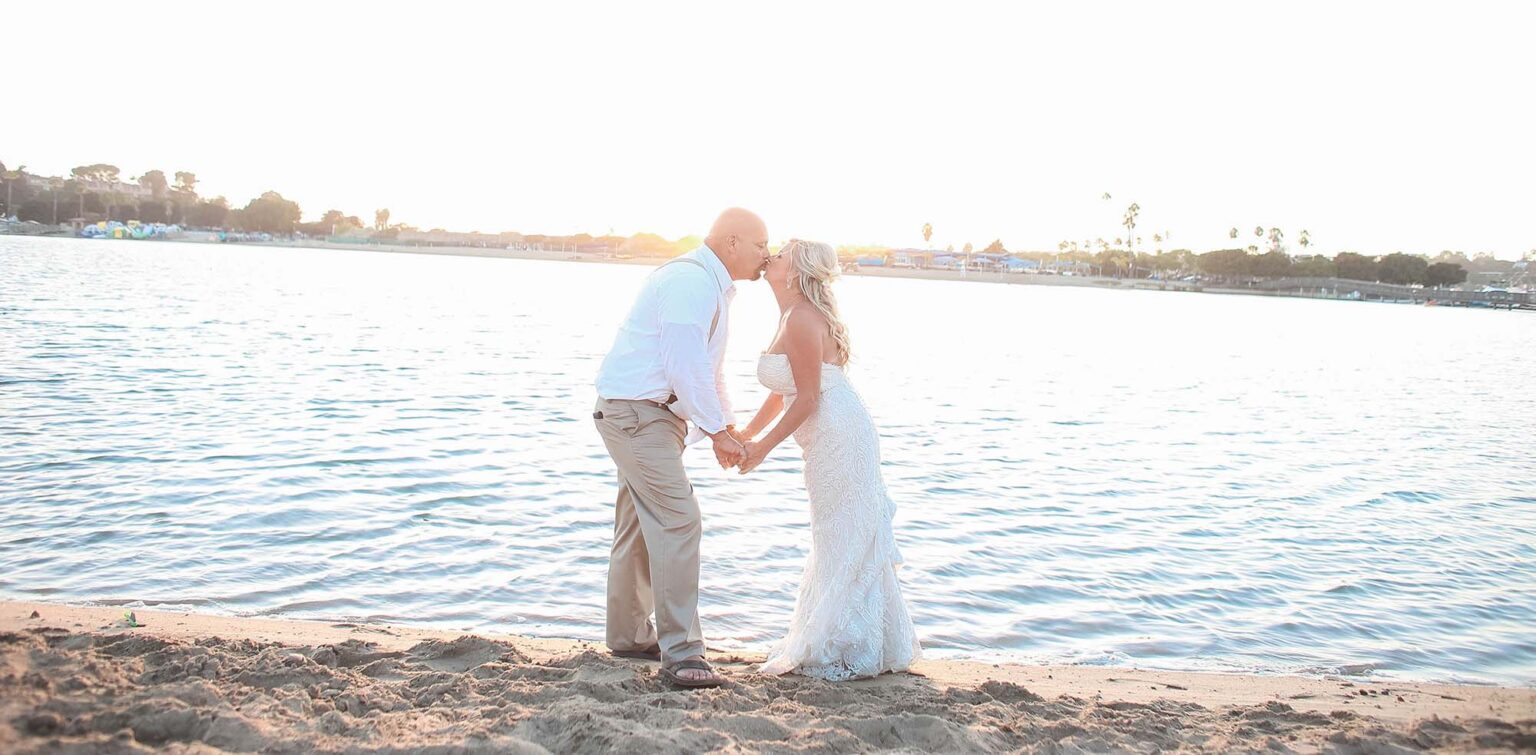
(654, 565)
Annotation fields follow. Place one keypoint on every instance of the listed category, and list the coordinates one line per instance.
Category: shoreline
(1025, 279)
(1078, 281)
(79, 675)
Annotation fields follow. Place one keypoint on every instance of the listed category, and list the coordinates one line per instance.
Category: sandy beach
(81, 679)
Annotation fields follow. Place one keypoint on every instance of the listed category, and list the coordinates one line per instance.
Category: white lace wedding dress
(850, 619)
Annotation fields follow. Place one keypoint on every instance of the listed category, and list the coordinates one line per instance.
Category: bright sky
(1377, 126)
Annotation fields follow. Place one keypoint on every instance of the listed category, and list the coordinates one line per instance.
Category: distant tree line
(1117, 258)
(1240, 265)
(1398, 268)
(98, 192)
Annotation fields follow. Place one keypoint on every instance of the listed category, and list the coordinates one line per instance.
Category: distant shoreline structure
(94, 201)
(1299, 288)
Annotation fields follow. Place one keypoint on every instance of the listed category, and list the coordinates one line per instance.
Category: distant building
(1066, 266)
(439, 237)
(915, 258)
(120, 188)
(984, 261)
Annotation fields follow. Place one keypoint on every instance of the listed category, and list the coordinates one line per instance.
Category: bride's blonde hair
(813, 268)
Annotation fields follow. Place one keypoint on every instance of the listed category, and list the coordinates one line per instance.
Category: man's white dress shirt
(664, 348)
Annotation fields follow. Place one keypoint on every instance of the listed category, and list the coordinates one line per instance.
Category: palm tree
(1233, 233)
(1129, 221)
(381, 219)
(927, 234)
(1157, 238)
(1275, 236)
(1305, 240)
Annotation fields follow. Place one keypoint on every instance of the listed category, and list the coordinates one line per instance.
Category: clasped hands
(732, 449)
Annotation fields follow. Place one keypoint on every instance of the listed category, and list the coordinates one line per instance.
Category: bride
(850, 620)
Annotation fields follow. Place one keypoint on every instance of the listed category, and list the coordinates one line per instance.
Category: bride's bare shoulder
(805, 318)
(806, 327)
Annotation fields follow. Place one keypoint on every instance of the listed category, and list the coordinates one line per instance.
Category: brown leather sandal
(669, 672)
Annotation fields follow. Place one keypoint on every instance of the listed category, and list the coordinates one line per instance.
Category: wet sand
(79, 679)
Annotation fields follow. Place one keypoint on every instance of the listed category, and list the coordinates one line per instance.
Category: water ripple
(1162, 480)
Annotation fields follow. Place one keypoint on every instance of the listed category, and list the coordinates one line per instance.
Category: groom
(664, 371)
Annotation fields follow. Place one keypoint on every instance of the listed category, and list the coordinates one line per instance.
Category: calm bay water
(1126, 478)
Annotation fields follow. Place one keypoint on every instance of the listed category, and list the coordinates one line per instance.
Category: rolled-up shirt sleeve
(687, 306)
(727, 412)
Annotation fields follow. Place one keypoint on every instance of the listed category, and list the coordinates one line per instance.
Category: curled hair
(813, 268)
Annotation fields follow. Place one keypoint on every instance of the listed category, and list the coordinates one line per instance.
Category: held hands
(754, 455)
(728, 449)
(733, 449)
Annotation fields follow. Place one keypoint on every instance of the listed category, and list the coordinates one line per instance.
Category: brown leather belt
(672, 399)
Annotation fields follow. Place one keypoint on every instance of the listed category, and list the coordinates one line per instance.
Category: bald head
(740, 239)
(739, 222)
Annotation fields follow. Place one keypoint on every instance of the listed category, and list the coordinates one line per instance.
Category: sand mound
(463, 654)
(66, 692)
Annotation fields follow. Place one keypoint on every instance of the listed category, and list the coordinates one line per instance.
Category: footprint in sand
(364, 628)
(462, 654)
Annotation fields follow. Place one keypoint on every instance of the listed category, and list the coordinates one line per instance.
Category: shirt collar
(712, 261)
